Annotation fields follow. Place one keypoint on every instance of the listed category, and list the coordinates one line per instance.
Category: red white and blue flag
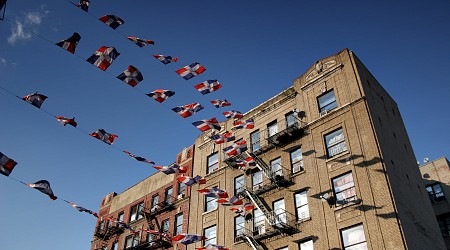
(131, 76)
(214, 192)
(248, 206)
(249, 161)
(154, 232)
(172, 169)
(222, 138)
(6, 165)
(189, 181)
(233, 201)
(191, 70)
(233, 114)
(104, 136)
(103, 57)
(247, 124)
(64, 121)
(211, 246)
(187, 239)
(82, 209)
(44, 187)
(208, 86)
(35, 99)
(70, 43)
(140, 42)
(84, 5)
(160, 95)
(137, 158)
(205, 125)
(188, 110)
(220, 103)
(166, 59)
(112, 21)
(237, 148)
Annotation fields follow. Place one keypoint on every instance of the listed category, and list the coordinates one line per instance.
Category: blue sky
(254, 48)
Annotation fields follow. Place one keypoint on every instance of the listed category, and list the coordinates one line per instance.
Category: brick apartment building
(436, 175)
(158, 203)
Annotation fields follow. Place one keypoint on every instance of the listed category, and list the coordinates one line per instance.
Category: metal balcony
(155, 244)
(106, 233)
(158, 209)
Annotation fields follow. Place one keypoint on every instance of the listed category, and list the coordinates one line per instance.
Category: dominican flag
(64, 121)
(84, 5)
(248, 206)
(208, 86)
(188, 110)
(154, 232)
(220, 103)
(191, 70)
(103, 57)
(6, 165)
(161, 95)
(35, 99)
(187, 239)
(250, 161)
(172, 169)
(70, 43)
(131, 76)
(237, 148)
(205, 125)
(82, 209)
(233, 201)
(214, 192)
(212, 247)
(104, 136)
(137, 158)
(166, 59)
(44, 187)
(222, 138)
(233, 114)
(247, 124)
(140, 42)
(189, 181)
(112, 21)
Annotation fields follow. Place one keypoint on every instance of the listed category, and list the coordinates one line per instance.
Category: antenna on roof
(425, 160)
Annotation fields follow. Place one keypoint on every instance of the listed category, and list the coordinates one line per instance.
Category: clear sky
(254, 48)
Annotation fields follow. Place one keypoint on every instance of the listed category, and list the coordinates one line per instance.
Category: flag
(35, 99)
(112, 21)
(103, 57)
(70, 43)
(250, 161)
(248, 124)
(6, 165)
(82, 209)
(154, 232)
(208, 86)
(237, 148)
(187, 239)
(172, 169)
(205, 125)
(84, 5)
(131, 76)
(124, 225)
(161, 95)
(44, 187)
(189, 181)
(233, 114)
(104, 136)
(248, 206)
(191, 70)
(166, 59)
(64, 121)
(188, 110)
(210, 246)
(233, 201)
(221, 138)
(140, 42)
(214, 192)
(138, 158)
(220, 103)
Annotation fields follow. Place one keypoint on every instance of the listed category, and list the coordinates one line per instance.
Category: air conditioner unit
(154, 208)
(323, 113)
(181, 196)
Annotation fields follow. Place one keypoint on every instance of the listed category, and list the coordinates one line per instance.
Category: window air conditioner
(154, 208)
(180, 196)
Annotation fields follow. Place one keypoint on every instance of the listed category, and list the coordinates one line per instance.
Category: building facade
(152, 211)
(436, 175)
(336, 170)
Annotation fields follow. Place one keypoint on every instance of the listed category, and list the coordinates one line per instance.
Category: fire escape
(104, 233)
(159, 241)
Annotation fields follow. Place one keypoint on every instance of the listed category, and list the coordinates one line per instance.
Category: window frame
(164, 226)
(241, 230)
(328, 106)
(299, 161)
(181, 189)
(241, 187)
(136, 212)
(115, 245)
(272, 132)
(168, 195)
(178, 228)
(208, 201)
(279, 218)
(212, 166)
(259, 184)
(351, 245)
(435, 196)
(286, 119)
(120, 216)
(210, 240)
(346, 200)
(299, 205)
(259, 223)
(279, 168)
(331, 143)
(308, 241)
(255, 140)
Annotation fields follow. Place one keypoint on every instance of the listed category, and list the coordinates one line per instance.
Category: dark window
(213, 163)
(327, 101)
(136, 212)
(296, 160)
(128, 242)
(238, 184)
(178, 224)
(435, 192)
(272, 128)
(239, 226)
(290, 119)
(165, 225)
(255, 141)
(168, 196)
(353, 238)
(335, 143)
(301, 205)
(344, 188)
(444, 224)
(210, 234)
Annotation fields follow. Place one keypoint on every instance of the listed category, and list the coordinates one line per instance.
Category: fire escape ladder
(263, 166)
(268, 215)
(253, 243)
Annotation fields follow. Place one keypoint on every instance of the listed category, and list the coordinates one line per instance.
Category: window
(136, 212)
(254, 140)
(211, 203)
(335, 143)
(239, 184)
(213, 163)
(275, 166)
(257, 180)
(327, 101)
(306, 245)
(344, 189)
(435, 192)
(296, 160)
(283, 248)
(444, 224)
(178, 224)
(239, 226)
(128, 242)
(279, 211)
(272, 128)
(259, 226)
(150, 237)
(210, 234)
(168, 196)
(290, 119)
(301, 205)
(165, 224)
(353, 238)
(155, 200)
(115, 246)
(120, 216)
(181, 189)
(136, 238)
